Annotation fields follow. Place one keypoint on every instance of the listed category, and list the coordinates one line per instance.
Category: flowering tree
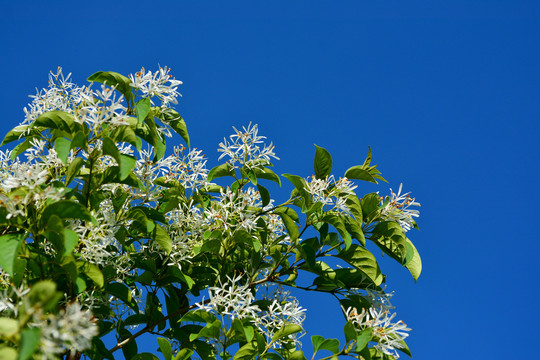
(106, 236)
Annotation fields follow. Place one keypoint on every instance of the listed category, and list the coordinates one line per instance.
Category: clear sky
(445, 92)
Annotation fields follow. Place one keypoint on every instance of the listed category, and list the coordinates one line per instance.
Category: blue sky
(446, 93)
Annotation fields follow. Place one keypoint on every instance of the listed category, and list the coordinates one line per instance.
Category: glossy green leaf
(122, 292)
(183, 354)
(7, 353)
(94, 273)
(414, 264)
(247, 351)
(267, 174)
(390, 238)
(174, 120)
(161, 236)
(42, 293)
(142, 108)
(363, 338)
(297, 355)
(323, 163)
(221, 171)
(73, 169)
(62, 147)
(116, 80)
(358, 173)
(363, 260)
(9, 244)
(66, 209)
(29, 343)
(165, 347)
(145, 356)
(57, 120)
(370, 206)
(350, 331)
(16, 133)
(198, 316)
(8, 327)
(285, 331)
(127, 135)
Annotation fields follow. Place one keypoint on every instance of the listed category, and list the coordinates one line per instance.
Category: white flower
(396, 208)
(72, 329)
(245, 150)
(284, 310)
(387, 335)
(232, 299)
(331, 192)
(160, 84)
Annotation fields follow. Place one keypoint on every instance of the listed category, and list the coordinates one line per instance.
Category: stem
(149, 327)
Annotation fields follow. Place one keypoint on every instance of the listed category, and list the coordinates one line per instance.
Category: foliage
(105, 236)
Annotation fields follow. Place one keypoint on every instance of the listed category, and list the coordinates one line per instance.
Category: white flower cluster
(396, 208)
(72, 329)
(244, 149)
(160, 84)
(284, 310)
(388, 335)
(330, 192)
(232, 299)
(61, 95)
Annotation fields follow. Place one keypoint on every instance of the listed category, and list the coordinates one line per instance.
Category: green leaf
(94, 273)
(290, 225)
(111, 78)
(142, 108)
(350, 331)
(358, 173)
(414, 264)
(285, 331)
(389, 237)
(210, 331)
(15, 134)
(165, 347)
(43, 293)
(126, 163)
(221, 171)
(370, 206)
(66, 209)
(71, 239)
(171, 117)
(247, 351)
(267, 174)
(297, 355)
(368, 158)
(7, 353)
(8, 327)
(183, 354)
(9, 244)
(73, 169)
(364, 261)
(127, 135)
(62, 147)
(265, 195)
(79, 140)
(57, 120)
(161, 236)
(123, 293)
(323, 163)
(363, 338)
(29, 343)
(145, 356)
(199, 316)
(320, 343)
